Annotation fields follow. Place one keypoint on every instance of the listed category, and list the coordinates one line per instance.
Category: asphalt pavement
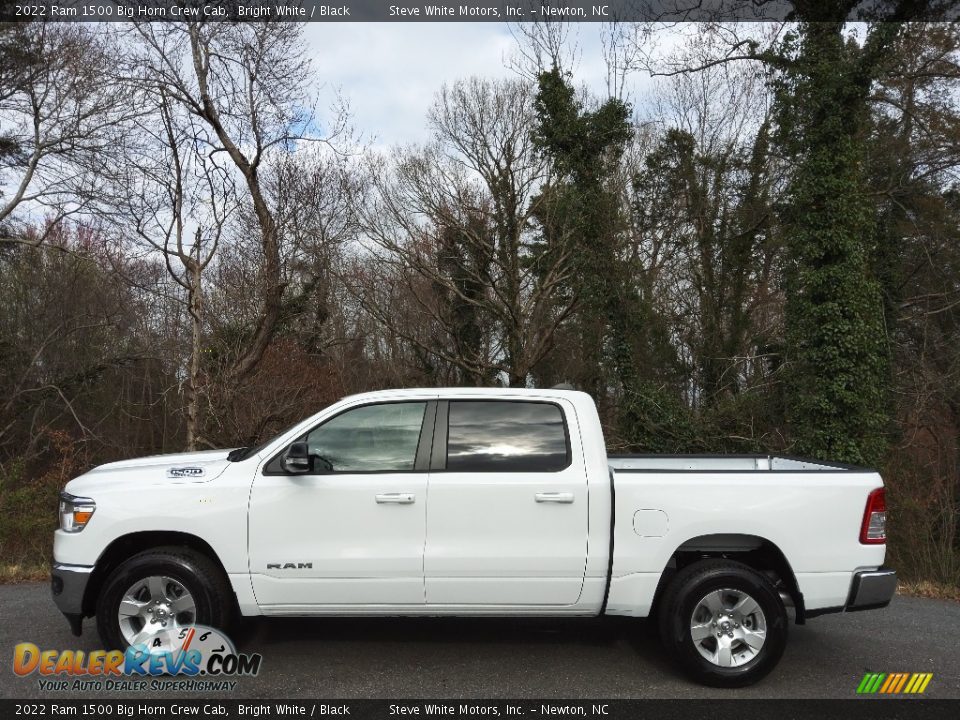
(428, 658)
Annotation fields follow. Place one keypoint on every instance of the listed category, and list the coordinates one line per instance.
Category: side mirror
(297, 460)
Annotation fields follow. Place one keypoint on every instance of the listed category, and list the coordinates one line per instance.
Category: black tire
(680, 600)
(203, 578)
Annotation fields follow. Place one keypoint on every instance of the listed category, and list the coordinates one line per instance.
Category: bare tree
(622, 45)
(541, 45)
(311, 191)
(58, 121)
(244, 83)
(708, 186)
(176, 198)
(453, 225)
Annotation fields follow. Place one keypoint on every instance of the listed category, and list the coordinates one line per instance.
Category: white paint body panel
(478, 543)
(812, 517)
(489, 542)
(360, 551)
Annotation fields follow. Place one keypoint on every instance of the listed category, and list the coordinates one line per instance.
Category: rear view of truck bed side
(798, 519)
(716, 548)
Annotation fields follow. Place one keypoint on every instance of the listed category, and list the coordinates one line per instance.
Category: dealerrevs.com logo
(196, 658)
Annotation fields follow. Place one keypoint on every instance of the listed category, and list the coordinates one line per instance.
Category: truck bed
(809, 511)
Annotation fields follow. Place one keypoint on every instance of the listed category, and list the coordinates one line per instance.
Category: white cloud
(389, 72)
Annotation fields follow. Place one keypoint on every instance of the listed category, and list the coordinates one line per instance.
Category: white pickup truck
(474, 502)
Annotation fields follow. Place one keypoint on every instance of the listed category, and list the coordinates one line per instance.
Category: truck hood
(174, 469)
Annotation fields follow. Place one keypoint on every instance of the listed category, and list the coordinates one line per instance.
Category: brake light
(873, 531)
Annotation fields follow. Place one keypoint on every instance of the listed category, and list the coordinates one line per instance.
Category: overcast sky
(389, 72)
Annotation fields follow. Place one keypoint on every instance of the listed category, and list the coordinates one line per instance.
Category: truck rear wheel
(151, 596)
(723, 622)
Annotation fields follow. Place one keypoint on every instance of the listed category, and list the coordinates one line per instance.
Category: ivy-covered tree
(837, 346)
(581, 209)
(463, 259)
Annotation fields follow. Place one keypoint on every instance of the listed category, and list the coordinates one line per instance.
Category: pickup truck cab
(474, 502)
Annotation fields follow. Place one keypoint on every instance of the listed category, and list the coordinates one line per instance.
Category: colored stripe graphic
(918, 683)
(903, 681)
(894, 683)
(870, 683)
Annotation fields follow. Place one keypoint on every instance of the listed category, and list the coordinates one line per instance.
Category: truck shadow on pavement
(263, 632)
(489, 641)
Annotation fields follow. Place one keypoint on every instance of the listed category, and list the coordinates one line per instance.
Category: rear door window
(506, 436)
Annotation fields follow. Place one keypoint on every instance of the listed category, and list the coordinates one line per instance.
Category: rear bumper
(869, 590)
(872, 589)
(68, 583)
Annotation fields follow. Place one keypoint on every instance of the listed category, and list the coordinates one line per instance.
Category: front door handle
(554, 497)
(396, 498)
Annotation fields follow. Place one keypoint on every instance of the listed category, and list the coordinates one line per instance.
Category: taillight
(873, 531)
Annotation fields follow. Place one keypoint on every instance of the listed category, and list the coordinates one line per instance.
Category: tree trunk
(195, 298)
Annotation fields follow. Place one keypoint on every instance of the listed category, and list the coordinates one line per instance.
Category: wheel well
(126, 546)
(756, 552)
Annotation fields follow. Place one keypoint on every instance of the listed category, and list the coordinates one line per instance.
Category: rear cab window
(506, 436)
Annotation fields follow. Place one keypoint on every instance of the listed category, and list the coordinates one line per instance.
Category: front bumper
(68, 583)
(872, 589)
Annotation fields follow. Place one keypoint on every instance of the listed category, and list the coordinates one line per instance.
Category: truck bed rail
(723, 463)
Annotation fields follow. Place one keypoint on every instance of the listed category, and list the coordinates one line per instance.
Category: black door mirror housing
(297, 459)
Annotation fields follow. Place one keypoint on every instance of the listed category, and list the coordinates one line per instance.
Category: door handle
(396, 498)
(554, 497)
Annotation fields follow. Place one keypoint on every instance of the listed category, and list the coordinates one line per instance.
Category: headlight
(75, 512)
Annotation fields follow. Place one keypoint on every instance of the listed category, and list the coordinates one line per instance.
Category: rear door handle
(554, 497)
(396, 498)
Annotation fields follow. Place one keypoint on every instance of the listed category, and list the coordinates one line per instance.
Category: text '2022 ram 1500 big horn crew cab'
(474, 502)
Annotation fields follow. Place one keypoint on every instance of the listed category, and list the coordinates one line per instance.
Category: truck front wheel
(153, 596)
(723, 622)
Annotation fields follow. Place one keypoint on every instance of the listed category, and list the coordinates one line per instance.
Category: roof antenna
(563, 386)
